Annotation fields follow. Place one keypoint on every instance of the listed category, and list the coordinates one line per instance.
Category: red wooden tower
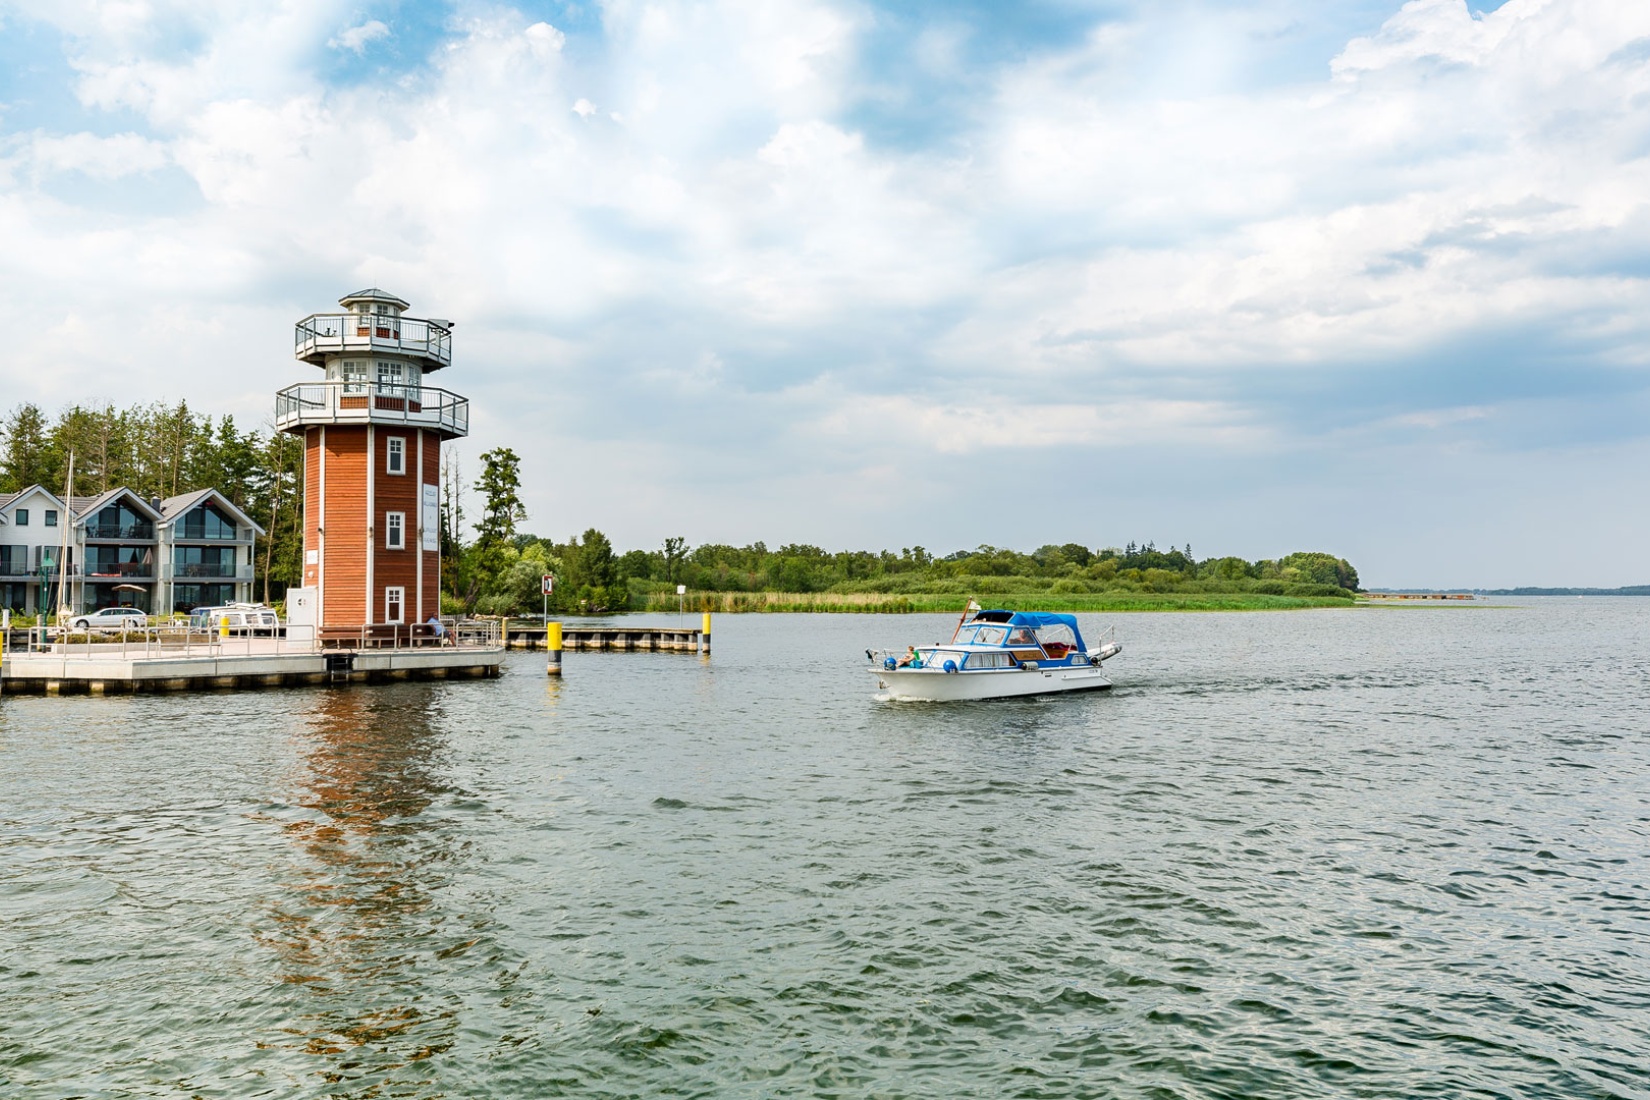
(372, 433)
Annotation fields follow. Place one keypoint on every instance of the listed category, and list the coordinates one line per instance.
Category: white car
(240, 618)
(111, 618)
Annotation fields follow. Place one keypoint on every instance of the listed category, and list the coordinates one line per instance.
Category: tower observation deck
(372, 431)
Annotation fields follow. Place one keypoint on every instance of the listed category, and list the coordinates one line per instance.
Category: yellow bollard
(704, 636)
(552, 642)
(223, 629)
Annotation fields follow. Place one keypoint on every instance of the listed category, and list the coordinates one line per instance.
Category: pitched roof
(172, 507)
(7, 499)
(175, 508)
(83, 507)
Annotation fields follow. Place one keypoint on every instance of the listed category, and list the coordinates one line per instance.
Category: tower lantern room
(372, 431)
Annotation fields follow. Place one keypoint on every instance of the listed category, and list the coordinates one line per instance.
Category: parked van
(241, 618)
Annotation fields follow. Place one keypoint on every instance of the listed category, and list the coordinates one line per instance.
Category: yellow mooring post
(704, 636)
(223, 629)
(552, 642)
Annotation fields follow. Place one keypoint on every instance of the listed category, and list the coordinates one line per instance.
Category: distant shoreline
(869, 603)
(1629, 590)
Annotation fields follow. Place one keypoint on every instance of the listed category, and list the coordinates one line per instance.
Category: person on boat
(910, 657)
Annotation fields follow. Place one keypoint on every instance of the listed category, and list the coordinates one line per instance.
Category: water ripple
(1365, 854)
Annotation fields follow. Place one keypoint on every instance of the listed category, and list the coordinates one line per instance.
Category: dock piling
(552, 643)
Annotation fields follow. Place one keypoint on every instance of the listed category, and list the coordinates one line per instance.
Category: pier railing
(356, 402)
(177, 640)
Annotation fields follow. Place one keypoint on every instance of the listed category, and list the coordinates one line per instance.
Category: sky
(1251, 275)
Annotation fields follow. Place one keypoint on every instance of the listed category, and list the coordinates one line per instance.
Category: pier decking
(178, 661)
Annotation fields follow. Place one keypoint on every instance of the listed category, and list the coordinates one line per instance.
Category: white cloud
(355, 39)
(1100, 252)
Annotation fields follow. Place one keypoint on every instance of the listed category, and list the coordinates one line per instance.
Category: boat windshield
(974, 634)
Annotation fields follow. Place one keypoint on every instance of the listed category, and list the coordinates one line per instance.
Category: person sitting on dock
(437, 630)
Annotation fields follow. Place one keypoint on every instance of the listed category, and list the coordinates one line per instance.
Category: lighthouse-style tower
(372, 432)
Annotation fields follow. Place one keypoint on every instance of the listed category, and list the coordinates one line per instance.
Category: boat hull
(925, 685)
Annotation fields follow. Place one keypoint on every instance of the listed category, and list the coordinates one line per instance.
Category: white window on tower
(354, 374)
(394, 600)
(395, 530)
(389, 378)
(395, 456)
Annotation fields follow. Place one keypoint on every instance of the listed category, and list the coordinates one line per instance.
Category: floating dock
(161, 662)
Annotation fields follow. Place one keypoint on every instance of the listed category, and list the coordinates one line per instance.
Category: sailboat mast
(63, 608)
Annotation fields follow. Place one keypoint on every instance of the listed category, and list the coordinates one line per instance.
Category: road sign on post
(547, 584)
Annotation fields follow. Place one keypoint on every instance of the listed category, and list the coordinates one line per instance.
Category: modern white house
(120, 550)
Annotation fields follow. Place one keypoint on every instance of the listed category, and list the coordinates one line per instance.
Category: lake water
(1372, 853)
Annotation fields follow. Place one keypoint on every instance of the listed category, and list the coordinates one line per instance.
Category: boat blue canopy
(1032, 619)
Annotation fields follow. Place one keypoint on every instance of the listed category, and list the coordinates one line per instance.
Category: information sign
(547, 584)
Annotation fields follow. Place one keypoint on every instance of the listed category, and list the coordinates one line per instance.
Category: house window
(21, 516)
(395, 530)
(51, 517)
(389, 378)
(206, 522)
(395, 462)
(394, 598)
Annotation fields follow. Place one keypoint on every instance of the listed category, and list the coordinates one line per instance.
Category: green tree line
(158, 451)
(161, 450)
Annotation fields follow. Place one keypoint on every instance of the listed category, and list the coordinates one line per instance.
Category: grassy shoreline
(872, 603)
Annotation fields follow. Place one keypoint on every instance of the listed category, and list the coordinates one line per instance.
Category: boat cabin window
(989, 660)
(1022, 635)
(1059, 635)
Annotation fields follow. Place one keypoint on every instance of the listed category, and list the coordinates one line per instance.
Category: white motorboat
(995, 655)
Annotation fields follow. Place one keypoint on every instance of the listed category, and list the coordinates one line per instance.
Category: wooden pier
(165, 659)
(626, 639)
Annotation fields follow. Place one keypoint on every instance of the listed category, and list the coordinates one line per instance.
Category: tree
(25, 457)
(592, 573)
(500, 483)
(675, 551)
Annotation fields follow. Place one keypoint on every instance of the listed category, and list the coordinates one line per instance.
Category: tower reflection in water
(370, 927)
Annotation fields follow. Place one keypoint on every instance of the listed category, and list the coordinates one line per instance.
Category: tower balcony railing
(357, 402)
(323, 334)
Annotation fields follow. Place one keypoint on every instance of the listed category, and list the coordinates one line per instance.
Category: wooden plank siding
(429, 601)
(395, 493)
(336, 499)
(312, 494)
(343, 602)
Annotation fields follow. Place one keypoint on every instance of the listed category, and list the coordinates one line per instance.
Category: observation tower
(372, 433)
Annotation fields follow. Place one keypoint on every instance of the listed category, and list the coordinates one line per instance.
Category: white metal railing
(178, 640)
(353, 402)
(321, 334)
